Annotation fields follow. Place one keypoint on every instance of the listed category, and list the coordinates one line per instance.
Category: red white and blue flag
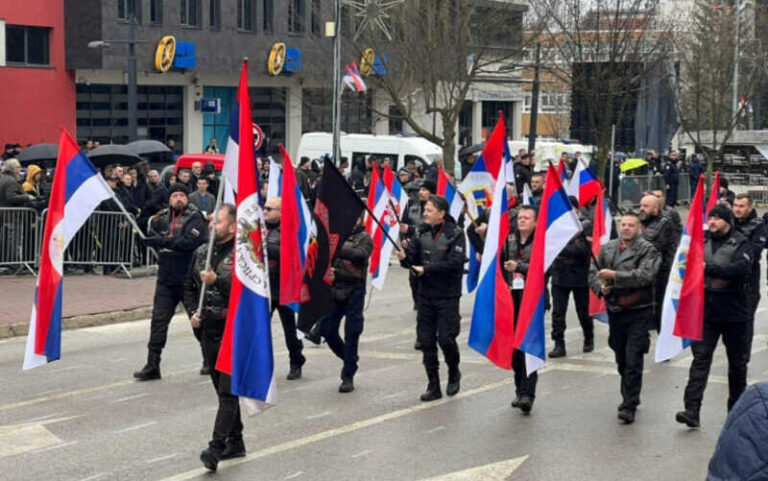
(480, 183)
(556, 225)
(472, 266)
(353, 78)
(714, 196)
(492, 328)
(246, 346)
(584, 184)
(528, 198)
(388, 200)
(77, 190)
(275, 180)
(682, 316)
(602, 227)
(447, 190)
(295, 225)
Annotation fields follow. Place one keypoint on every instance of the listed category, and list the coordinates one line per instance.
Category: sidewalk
(89, 300)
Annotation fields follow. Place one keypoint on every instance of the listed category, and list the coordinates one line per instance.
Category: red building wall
(35, 101)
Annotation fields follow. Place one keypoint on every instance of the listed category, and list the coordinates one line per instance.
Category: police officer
(659, 231)
(287, 316)
(409, 224)
(624, 276)
(435, 256)
(350, 265)
(727, 312)
(752, 227)
(516, 257)
(227, 439)
(175, 232)
(570, 273)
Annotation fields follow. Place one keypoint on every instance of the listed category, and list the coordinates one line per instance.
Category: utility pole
(736, 53)
(534, 101)
(132, 101)
(336, 117)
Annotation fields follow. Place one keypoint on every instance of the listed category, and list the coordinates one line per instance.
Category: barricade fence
(106, 240)
(632, 187)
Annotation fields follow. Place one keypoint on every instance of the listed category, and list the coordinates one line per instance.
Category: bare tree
(603, 50)
(706, 53)
(438, 50)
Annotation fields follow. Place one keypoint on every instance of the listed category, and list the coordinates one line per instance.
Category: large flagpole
(336, 81)
(211, 239)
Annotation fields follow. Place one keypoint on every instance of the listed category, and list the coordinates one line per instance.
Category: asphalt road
(84, 418)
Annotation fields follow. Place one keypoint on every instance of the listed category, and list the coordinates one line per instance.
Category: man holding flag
(727, 311)
(625, 277)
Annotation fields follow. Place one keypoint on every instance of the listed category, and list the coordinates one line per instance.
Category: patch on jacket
(459, 249)
(195, 233)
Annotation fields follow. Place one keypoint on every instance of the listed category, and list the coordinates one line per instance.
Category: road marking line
(162, 458)
(119, 359)
(317, 416)
(361, 453)
(68, 368)
(96, 476)
(134, 428)
(397, 394)
(294, 475)
(434, 430)
(499, 471)
(55, 446)
(31, 420)
(51, 391)
(349, 428)
(207, 381)
(383, 369)
(122, 399)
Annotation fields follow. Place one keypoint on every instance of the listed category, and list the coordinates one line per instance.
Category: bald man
(659, 231)
(272, 209)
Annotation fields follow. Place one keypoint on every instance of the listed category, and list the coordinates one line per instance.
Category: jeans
(346, 350)
(292, 342)
(629, 339)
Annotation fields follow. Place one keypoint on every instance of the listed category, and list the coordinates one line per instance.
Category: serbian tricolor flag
(370, 201)
(682, 316)
(479, 184)
(562, 172)
(353, 79)
(528, 198)
(714, 196)
(77, 190)
(492, 326)
(602, 226)
(295, 222)
(246, 347)
(584, 184)
(446, 189)
(556, 225)
(388, 196)
(275, 180)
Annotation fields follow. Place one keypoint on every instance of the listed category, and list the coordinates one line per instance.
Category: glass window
(316, 13)
(214, 14)
(156, 11)
(190, 12)
(245, 15)
(296, 16)
(27, 45)
(126, 8)
(269, 9)
(122, 12)
(355, 111)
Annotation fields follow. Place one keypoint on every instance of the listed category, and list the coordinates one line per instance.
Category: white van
(357, 147)
(547, 150)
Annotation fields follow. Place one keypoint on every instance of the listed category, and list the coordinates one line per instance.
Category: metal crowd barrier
(106, 239)
(20, 234)
(632, 187)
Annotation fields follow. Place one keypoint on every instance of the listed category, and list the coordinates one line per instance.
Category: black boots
(151, 370)
(205, 370)
(689, 417)
(454, 381)
(559, 350)
(234, 449)
(294, 373)
(210, 458)
(433, 392)
(626, 414)
(346, 385)
(589, 344)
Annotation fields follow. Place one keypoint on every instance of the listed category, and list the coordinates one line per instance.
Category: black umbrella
(113, 154)
(39, 154)
(147, 147)
(471, 149)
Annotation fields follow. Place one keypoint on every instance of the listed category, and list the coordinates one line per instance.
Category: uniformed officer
(659, 231)
(350, 267)
(516, 257)
(227, 439)
(287, 316)
(625, 274)
(436, 257)
(175, 232)
(727, 311)
(752, 227)
(570, 273)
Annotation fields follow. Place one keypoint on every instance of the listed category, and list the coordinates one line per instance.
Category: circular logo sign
(367, 61)
(276, 59)
(166, 51)
(258, 137)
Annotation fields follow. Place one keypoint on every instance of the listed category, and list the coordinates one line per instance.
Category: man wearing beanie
(727, 311)
(175, 233)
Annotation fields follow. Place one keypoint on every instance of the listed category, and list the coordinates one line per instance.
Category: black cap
(430, 186)
(177, 187)
(722, 212)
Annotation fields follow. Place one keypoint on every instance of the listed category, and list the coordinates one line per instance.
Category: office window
(214, 17)
(245, 15)
(269, 9)
(156, 11)
(126, 8)
(26, 45)
(316, 13)
(296, 16)
(190, 13)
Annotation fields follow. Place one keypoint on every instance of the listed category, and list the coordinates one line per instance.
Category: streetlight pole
(534, 101)
(132, 101)
(736, 53)
(336, 117)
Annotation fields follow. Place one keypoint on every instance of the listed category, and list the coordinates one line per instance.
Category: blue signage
(210, 105)
(292, 60)
(185, 55)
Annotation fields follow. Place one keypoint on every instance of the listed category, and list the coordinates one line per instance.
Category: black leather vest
(433, 249)
(722, 257)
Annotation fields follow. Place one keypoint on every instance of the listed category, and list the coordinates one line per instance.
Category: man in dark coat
(671, 179)
(659, 231)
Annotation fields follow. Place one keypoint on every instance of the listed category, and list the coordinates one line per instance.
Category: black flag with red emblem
(337, 209)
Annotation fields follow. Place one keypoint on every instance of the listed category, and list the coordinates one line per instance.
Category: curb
(87, 320)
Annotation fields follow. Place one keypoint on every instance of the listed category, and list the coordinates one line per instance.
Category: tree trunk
(449, 143)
